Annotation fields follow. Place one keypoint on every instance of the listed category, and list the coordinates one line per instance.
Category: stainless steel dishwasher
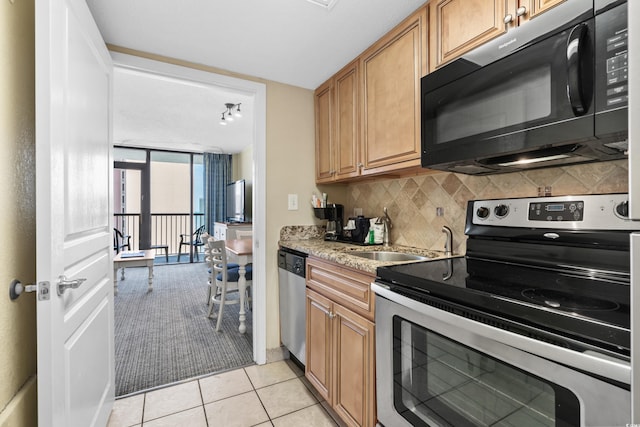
(291, 276)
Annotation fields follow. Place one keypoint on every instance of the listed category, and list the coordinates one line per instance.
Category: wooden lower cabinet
(319, 343)
(340, 359)
(341, 339)
(354, 367)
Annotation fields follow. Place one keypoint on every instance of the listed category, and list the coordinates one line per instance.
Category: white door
(76, 383)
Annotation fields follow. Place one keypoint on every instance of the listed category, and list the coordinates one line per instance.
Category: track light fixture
(229, 114)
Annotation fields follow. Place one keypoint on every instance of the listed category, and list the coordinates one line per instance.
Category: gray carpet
(164, 336)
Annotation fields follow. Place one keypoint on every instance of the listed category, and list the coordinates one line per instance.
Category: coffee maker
(333, 213)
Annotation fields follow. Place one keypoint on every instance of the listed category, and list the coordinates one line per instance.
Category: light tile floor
(276, 394)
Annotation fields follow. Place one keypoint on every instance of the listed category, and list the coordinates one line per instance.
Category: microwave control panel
(613, 55)
(617, 70)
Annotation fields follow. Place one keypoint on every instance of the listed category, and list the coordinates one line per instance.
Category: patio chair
(192, 241)
(121, 241)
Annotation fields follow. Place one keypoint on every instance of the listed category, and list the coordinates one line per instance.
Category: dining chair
(192, 241)
(206, 238)
(225, 280)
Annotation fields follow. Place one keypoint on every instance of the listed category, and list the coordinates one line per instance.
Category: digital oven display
(555, 208)
(557, 211)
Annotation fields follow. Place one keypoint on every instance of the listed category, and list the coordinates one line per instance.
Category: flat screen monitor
(235, 208)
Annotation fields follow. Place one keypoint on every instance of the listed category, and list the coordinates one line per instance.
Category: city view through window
(158, 196)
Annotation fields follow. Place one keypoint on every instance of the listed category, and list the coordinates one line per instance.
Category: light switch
(293, 202)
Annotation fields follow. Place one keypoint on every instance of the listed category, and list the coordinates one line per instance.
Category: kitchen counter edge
(340, 253)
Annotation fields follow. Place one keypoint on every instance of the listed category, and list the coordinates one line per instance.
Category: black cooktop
(584, 304)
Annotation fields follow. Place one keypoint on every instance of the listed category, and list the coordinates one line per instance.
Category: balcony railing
(166, 229)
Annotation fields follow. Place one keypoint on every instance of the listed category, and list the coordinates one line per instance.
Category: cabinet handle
(331, 315)
(360, 165)
(521, 11)
(508, 19)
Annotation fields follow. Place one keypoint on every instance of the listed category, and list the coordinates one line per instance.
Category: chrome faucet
(448, 244)
(386, 222)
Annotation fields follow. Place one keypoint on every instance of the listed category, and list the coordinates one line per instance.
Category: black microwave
(551, 92)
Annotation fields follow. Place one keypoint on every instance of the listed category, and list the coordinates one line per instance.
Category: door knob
(64, 284)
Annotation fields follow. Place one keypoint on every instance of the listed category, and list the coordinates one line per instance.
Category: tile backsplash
(412, 201)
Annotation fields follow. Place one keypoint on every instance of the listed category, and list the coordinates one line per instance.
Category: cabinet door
(324, 137)
(457, 26)
(354, 363)
(319, 344)
(536, 7)
(218, 231)
(392, 69)
(347, 136)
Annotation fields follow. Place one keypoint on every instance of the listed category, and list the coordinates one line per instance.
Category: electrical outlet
(293, 202)
(357, 211)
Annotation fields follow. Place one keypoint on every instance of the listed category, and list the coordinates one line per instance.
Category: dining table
(240, 251)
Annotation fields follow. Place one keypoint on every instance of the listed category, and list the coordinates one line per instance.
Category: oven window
(440, 382)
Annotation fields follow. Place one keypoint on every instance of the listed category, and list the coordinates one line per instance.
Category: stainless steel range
(530, 328)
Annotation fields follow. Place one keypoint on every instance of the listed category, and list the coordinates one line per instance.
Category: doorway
(257, 93)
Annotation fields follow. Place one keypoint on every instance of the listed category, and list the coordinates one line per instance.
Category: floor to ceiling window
(159, 201)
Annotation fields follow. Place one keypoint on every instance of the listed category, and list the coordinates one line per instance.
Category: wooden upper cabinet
(391, 73)
(457, 26)
(337, 126)
(347, 124)
(527, 9)
(324, 133)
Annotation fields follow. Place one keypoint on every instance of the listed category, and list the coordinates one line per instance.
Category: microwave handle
(575, 49)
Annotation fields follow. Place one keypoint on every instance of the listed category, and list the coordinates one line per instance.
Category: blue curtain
(217, 174)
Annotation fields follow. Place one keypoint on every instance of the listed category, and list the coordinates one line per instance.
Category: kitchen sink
(388, 256)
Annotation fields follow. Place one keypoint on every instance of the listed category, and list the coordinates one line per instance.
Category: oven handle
(593, 362)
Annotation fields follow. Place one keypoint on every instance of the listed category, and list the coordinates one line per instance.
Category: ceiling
(155, 111)
(296, 42)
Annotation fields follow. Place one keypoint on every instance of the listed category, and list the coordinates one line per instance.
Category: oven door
(435, 368)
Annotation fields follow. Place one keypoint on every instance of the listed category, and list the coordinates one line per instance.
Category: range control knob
(622, 209)
(501, 211)
(482, 212)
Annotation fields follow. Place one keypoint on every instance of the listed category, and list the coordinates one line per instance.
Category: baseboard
(276, 354)
(22, 409)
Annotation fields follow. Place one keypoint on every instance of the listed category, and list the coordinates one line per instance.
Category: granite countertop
(340, 252)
